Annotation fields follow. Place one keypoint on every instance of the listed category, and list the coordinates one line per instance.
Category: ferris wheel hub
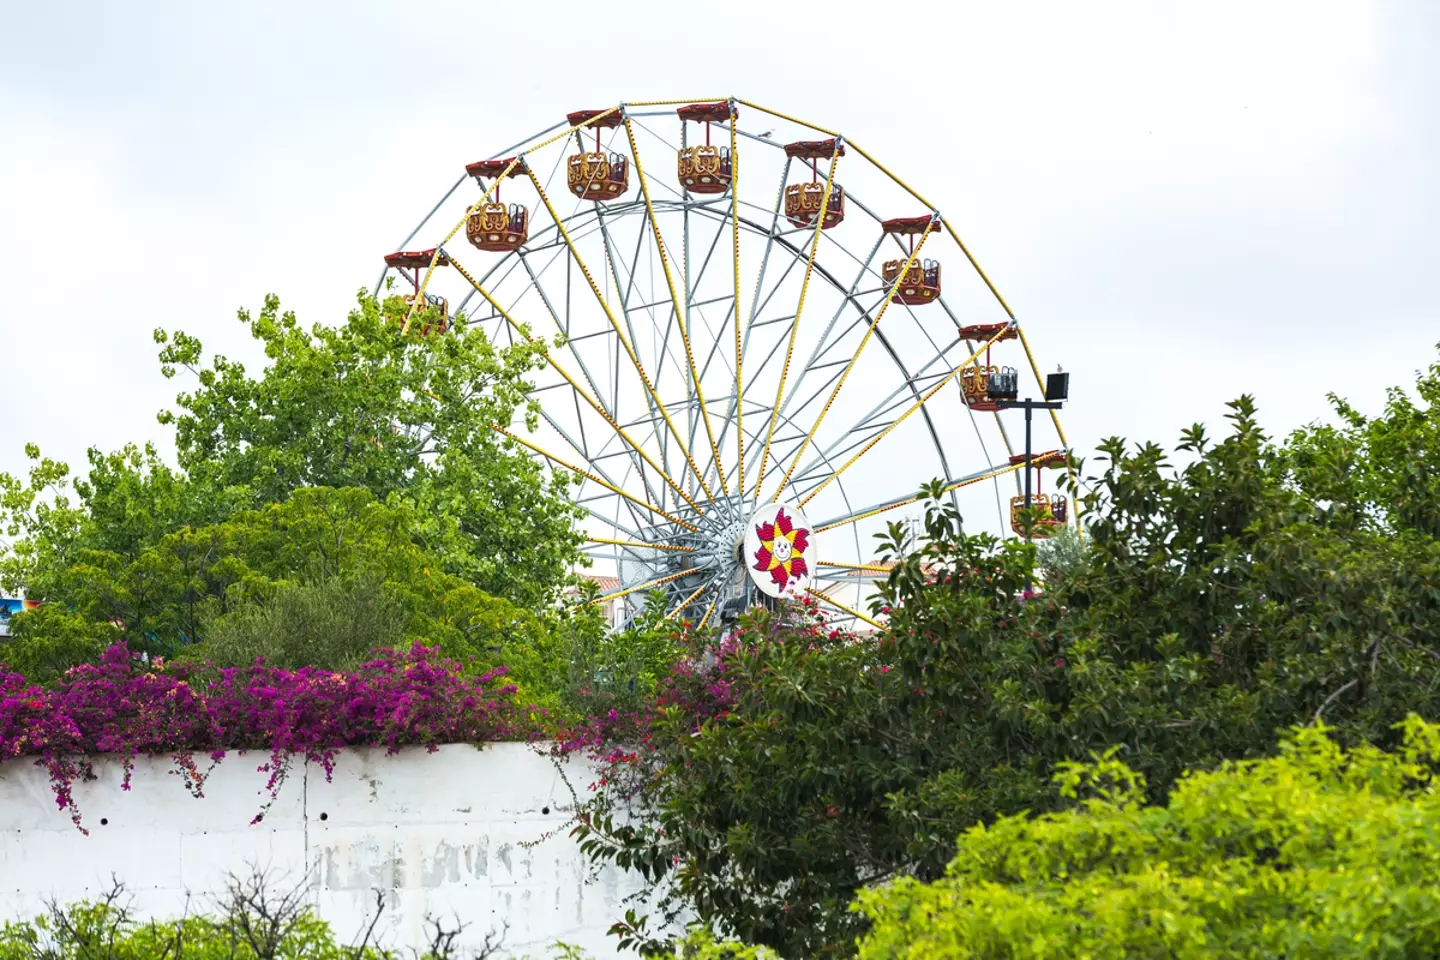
(779, 552)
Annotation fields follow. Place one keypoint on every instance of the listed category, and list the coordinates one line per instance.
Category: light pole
(1057, 391)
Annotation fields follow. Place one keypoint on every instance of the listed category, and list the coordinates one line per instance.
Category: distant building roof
(603, 584)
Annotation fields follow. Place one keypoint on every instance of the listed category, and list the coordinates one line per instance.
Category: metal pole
(1029, 528)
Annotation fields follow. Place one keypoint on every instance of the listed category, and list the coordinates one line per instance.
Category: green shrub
(334, 622)
(49, 640)
(1318, 852)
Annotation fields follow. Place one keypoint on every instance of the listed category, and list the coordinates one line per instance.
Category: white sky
(1181, 204)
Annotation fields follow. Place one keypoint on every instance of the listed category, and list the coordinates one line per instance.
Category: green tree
(355, 406)
(1378, 472)
(1318, 852)
(333, 622)
(1218, 604)
(361, 406)
(321, 578)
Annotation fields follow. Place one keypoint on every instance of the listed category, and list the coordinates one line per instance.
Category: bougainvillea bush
(124, 706)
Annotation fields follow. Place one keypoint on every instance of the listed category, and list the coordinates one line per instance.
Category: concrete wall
(445, 834)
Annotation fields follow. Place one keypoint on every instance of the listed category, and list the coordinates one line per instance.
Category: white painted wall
(443, 834)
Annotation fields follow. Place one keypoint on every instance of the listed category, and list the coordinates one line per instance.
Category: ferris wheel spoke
(580, 448)
(742, 345)
(612, 261)
(931, 383)
(581, 471)
(799, 309)
(680, 310)
(889, 298)
(865, 513)
(657, 582)
(606, 414)
(642, 546)
(855, 567)
(739, 405)
(902, 418)
(831, 601)
(564, 330)
(610, 522)
(620, 336)
(697, 307)
(689, 600)
(851, 300)
(628, 284)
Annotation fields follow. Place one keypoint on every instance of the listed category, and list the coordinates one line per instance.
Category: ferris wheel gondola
(749, 372)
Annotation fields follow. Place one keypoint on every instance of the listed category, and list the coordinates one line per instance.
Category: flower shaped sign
(778, 553)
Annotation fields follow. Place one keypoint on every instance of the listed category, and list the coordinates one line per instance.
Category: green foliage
(408, 419)
(49, 640)
(701, 946)
(251, 922)
(1060, 556)
(334, 622)
(320, 579)
(361, 406)
(106, 930)
(1314, 853)
(1217, 606)
(1381, 471)
(619, 669)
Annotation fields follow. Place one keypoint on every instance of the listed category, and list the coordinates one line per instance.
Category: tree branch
(1331, 699)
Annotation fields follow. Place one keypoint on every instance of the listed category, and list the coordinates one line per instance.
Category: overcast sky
(1181, 202)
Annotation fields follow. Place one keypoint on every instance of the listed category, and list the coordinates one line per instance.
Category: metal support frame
(685, 502)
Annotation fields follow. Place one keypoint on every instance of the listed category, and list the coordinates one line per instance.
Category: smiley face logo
(778, 550)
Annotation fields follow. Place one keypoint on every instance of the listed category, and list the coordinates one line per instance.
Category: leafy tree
(319, 580)
(48, 640)
(1060, 556)
(361, 406)
(1382, 472)
(408, 418)
(1218, 604)
(1318, 852)
(334, 622)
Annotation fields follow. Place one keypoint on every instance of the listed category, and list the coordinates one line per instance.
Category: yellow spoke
(901, 419)
(420, 293)
(641, 586)
(668, 103)
(783, 116)
(799, 309)
(594, 404)
(845, 521)
(845, 374)
(708, 610)
(867, 567)
(687, 601)
(638, 545)
(620, 335)
(735, 242)
(904, 186)
(590, 476)
(976, 264)
(680, 309)
(840, 606)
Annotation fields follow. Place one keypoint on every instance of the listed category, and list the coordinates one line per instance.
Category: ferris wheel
(752, 364)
